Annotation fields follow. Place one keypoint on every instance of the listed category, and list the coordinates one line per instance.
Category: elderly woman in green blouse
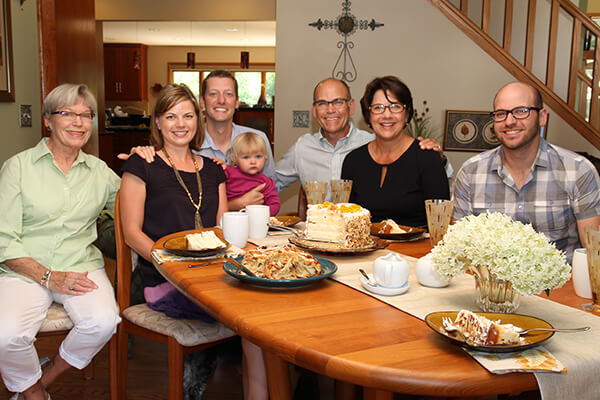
(51, 197)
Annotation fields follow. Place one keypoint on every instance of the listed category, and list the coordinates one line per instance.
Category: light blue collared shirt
(313, 158)
(210, 149)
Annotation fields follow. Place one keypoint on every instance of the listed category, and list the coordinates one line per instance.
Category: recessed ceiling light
(154, 29)
(232, 30)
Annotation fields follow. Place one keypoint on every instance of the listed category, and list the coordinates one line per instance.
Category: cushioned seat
(187, 332)
(56, 319)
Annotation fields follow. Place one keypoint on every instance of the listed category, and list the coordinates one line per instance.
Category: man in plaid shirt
(553, 189)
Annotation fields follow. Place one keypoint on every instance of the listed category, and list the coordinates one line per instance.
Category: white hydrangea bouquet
(511, 250)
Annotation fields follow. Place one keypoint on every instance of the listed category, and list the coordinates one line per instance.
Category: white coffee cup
(581, 274)
(235, 228)
(391, 271)
(258, 219)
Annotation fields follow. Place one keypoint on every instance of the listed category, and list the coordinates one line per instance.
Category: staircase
(565, 27)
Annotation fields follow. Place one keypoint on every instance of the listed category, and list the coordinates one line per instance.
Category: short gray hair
(66, 95)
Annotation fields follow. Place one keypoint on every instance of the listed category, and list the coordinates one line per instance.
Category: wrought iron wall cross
(345, 24)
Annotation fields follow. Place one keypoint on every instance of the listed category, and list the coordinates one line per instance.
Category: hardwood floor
(147, 374)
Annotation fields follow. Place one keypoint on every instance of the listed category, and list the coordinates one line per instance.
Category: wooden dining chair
(302, 203)
(181, 336)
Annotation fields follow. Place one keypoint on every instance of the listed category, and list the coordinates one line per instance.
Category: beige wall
(418, 44)
(27, 83)
(185, 10)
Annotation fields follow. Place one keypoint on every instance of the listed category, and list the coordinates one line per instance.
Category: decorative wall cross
(345, 24)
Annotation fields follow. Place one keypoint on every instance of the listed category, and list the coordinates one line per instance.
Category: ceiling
(191, 33)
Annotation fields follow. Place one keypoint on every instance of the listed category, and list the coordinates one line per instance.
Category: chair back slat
(124, 267)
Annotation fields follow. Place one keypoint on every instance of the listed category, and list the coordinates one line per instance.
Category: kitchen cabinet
(121, 140)
(125, 72)
(258, 118)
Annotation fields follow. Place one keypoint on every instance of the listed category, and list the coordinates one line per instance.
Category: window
(252, 84)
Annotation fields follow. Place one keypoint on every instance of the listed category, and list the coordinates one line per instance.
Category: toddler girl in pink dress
(248, 156)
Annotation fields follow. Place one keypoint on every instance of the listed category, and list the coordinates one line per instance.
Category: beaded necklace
(197, 220)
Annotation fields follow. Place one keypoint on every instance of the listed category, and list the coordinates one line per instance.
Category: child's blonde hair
(246, 143)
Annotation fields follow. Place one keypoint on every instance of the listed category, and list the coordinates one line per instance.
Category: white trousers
(23, 309)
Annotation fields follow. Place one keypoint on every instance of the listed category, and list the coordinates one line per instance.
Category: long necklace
(197, 220)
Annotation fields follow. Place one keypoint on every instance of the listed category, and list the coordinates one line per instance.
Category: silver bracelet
(45, 278)
(47, 283)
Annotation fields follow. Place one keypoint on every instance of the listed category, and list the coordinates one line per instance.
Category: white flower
(512, 251)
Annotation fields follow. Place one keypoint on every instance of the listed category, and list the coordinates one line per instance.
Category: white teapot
(427, 275)
(391, 271)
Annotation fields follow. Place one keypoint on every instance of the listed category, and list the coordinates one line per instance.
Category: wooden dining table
(342, 333)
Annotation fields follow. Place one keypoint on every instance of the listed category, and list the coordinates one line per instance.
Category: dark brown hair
(168, 97)
(390, 84)
(220, 73)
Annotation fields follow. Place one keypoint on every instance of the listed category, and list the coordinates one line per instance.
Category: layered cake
(203, 240)
(344, 223)
(478, 330)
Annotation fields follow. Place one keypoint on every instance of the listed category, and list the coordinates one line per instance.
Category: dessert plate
(411, 232)
(177, 244)
(434, 321)
(381, 290)
(336, 248)
(327, 267)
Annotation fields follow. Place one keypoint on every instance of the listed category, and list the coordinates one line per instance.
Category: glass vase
(493, 294)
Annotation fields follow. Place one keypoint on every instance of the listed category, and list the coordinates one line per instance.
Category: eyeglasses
(517, 113)
(380, 108)
(336, 103)
(71, 116)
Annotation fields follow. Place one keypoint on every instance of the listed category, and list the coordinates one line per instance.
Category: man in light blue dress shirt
(319, 156)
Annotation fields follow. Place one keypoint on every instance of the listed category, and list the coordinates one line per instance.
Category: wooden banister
(581, 113)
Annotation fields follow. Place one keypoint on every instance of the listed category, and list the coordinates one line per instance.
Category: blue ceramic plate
(328, 268)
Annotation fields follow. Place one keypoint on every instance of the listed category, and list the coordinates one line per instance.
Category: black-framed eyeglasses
(337, 103)
(517, 113)
(380, 108)
(70, 115)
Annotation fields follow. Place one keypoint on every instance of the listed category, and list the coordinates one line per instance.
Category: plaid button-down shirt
(562, 187)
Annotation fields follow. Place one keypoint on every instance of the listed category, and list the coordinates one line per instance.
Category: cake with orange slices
(345, 223)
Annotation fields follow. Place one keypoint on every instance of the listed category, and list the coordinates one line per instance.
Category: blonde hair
(246, 143)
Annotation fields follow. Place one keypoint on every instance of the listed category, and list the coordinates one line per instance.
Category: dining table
(337, 331)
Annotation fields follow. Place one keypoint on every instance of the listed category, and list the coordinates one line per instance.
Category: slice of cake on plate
(345, 223)
(203, 240)
(478, 330)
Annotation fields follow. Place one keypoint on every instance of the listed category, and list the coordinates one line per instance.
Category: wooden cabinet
(125, 72)
(258, 118)
(115, 141)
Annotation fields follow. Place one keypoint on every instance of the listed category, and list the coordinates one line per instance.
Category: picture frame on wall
(469, 131)
(473, 131)
(7, 90)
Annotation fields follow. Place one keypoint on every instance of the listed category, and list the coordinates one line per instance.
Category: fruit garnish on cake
(481, 331)
(345, 223)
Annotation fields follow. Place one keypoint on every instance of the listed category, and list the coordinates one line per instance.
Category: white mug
(581, 274)
(258, 219)
(235, 228)
(391, 271)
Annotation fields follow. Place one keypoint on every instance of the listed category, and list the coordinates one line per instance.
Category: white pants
(23, 308)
